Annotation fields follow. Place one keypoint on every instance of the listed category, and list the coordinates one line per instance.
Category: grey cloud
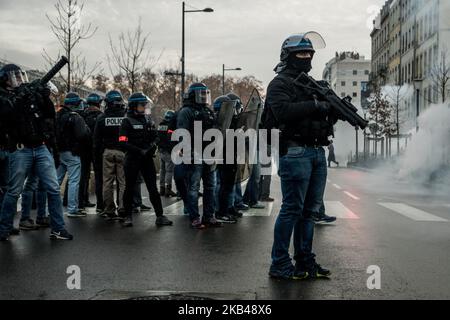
(240, 33)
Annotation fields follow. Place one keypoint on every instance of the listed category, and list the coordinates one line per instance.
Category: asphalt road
(403, 230)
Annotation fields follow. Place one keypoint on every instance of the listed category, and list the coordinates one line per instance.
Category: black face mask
(299, 65)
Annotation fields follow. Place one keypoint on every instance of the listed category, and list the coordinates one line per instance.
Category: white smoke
(427, 158)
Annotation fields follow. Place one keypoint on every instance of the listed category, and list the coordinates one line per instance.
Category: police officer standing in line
(305, 129)
(138, 136)
(165, 145)
(226, 172)
(196, 109)
(89, 158)
(72, 136)
(31, 133)
(106, 143)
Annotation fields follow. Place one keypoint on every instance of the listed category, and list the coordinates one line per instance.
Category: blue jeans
(21, 165)
(33, 184)
(4, 174)
(71, 165)
(194, 174)
(303, 173)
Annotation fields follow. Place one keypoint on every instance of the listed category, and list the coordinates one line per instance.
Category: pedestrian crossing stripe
(267, 212)
(337, 209)
(411, 212)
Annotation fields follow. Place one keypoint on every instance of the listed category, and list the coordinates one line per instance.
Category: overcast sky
(240, 33)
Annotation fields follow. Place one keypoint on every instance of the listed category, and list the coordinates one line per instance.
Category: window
(343, 95)
(355, 83)
(343, 83)
(355, 95)
(355, 72)
(366, 72)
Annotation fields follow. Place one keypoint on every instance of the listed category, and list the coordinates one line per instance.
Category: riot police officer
(165, 146)
(31, 133)
(72, 136)
(226, 172)
(106, 143)
(88, 157)
(305, 129)
(138, 136)
(196, 109)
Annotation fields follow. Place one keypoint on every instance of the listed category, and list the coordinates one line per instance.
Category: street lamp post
(417, 83)
(183, 46)
(223, 76)
(174, 74)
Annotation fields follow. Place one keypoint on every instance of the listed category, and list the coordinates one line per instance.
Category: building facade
(411, 46)
(348, 75)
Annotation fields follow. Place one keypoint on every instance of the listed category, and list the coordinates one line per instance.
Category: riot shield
(249, 119)
(225, 116)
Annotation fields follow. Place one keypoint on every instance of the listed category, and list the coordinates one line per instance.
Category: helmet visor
(17, 77)
(316, 39)
(203, 96)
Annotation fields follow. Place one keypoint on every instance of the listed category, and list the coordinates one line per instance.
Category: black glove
(323, 108)
(44, 91)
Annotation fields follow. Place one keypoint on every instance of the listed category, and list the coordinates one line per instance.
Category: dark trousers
(86, 161)
(227, 176)
(85, 177)
(264, 187)
(133, 165)
(137, 197)
(4, 174)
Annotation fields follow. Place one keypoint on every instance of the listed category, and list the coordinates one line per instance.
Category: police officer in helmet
(165, 145)
(138, 136)
(91, 114)
(106, 144)
(305, 130)
(72, 136)
(196, 109)
(30, 115)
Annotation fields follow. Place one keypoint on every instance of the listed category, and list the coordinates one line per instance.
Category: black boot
(169, 192)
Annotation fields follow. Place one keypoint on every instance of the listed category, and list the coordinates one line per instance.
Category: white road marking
(411, 212)
(267, 212)
(337, 186)
(337, 209)
(351, 195)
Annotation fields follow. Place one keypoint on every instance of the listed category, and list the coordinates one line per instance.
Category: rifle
(28, 89)
(342, 109)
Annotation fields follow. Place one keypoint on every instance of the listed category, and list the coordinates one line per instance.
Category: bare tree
(69, 30)
(396, 95)
(440, 75)
(130, 57)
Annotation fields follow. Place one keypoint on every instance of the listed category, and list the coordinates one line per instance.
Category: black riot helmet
(169, 115)
(239, 106)
(73, 101)
(199, 94)
(296, 44)
(139, 103)
(114, 99)
(12, 76)
(94, 100)
(217, 105)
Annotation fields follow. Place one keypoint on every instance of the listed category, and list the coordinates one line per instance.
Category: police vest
(111, 122)
(312, 130)
(142, 133)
